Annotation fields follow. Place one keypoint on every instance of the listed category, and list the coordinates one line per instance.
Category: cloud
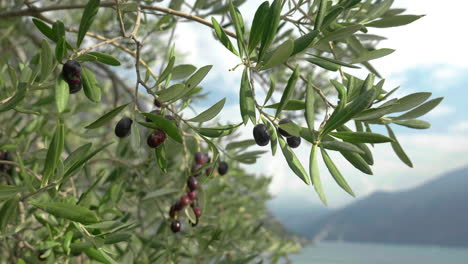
(461, 127)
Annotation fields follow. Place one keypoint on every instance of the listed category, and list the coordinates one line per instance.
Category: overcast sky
(430, 56)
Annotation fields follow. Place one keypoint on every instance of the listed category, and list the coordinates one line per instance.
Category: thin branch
(108, 41)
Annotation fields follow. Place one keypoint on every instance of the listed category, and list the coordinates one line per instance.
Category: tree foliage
(71, 189)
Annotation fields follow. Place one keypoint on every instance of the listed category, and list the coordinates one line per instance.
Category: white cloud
(461, 127)
(432, 40)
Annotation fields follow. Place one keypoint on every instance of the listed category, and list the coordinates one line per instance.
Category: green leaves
(87, 19)
(288, 91)
(198, 76)
(61, 93)
(183, 70)
(214, 132)
(105, 58)
(303, 42)
(222, 37)
(46, 60)
(314, 174)
(53, 153)
(372, 55)
(162, 123)
(336, 174)
(361, 137)
(398, 149)
(238, 22)
(44, 29)
(393, 21)
(420, 110)
(293, 161)
(339, 118)
(210, 113)
(416, 124)
(246, 100)
(279, 55)
(161, 157)
(172, 93)
(90, 85)
(292, 104)
(258, 25)
(68, 211)
(106, 117)
(61, 49)
(8, 213)
(410, 101)
(9, 191)
(271, 27)
(16, 99)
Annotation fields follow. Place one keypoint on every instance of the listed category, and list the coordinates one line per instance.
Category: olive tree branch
(36, 11)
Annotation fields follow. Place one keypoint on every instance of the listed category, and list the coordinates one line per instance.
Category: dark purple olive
(156, 138)
(196, 169)
(123, 127)
(201, 158)
(185, 200)
(192, 183)
(192, 195)
(197, 212)
(175, 226)
(223, 168)
(261, 135)
(157, 103)
(294, 142)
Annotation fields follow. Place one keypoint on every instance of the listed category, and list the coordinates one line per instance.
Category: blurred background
(400, 214)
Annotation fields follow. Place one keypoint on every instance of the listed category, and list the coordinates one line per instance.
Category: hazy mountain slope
(434, 213)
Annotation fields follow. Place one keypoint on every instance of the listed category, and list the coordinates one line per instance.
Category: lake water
(361, 253)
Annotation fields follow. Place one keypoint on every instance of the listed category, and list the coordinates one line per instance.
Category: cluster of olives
(5, 155)
(262, 135)
(71, 73)
(190, 197)
(155, 139)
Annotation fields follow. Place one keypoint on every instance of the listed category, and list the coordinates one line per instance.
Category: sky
(429, 56)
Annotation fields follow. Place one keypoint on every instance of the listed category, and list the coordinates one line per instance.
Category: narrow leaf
(416, 124)
(336, 174)
(372, 55)
(420, 110)
(106, 117)
(393, 21)
(87, 19)
(61, 94)
(222, 37)
(303, 42)
(288, 91)
(246, 100)
(293, 161)
(398, 149)
(105, 58)
(279, 55)
(90, 85)
(210, 113)
(72, 212)
(198, 76)
(258, 25)
(361, 137)
(314, 174)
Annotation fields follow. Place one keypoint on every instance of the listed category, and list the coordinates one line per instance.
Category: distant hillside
(295, 217)
(435, 213)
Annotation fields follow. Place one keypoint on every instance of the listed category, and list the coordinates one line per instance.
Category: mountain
(295, 217)
(435, 213)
